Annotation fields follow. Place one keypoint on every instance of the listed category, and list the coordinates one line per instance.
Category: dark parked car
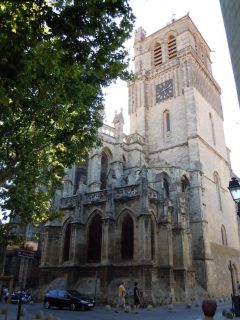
(67, 299)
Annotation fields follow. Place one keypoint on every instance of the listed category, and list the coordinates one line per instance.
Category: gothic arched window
(212, 128)
(218, 189)
(172, 47)
(184, 183)
(104, 169)
(224, 235)
(166, 122)
(157, 54)
(67, 242)
(127, 238)
(235, 277)
(124, 161)
(166, 187)
(95, 239)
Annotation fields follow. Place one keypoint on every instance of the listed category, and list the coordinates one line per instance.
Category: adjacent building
(231, 17)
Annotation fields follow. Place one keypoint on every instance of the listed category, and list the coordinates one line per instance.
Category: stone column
(144, 233)
(144, 207)
(94, 173)
(201, 248)
(76, 250)
(108, 224)
(164, 255)
(51, 252)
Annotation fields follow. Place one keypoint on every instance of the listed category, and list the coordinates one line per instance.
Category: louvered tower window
(172, 47)
(157, 52)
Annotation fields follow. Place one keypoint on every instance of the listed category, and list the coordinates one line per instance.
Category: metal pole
(95, 291)
(19, 303)
(231, 271)
(232, 295)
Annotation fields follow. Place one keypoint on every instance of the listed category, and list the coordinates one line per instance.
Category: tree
(55, 58)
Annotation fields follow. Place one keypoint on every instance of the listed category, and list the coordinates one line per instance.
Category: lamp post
(234, 188)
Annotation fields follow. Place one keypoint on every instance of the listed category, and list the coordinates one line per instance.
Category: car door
(52, 297)
(64, 300)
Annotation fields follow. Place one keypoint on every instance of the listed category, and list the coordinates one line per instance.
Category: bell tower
(175, 104)
(174, 78)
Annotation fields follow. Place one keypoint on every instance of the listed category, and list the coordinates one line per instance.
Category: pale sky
(152, 15)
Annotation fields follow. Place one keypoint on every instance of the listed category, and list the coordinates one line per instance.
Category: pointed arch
(124, 161)
(218, 189)
(95, 238)
(166, 122)
(106, 157)
(67, 231)
(157, 54)
(172, 47)
(235, 277)
(166, 185)
(184, 183)
(127, 238)
(224, 235)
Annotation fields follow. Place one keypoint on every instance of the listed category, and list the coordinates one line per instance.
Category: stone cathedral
(152, 206)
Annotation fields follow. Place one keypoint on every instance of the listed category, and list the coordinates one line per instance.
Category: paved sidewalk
(179, 312)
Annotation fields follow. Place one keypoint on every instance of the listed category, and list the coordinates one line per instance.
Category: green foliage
(55, 58)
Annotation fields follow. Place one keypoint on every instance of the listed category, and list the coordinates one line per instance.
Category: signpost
(26, 254)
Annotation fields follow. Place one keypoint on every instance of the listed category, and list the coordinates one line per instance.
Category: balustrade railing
(69, 202)
(95, 197)
(128, 191)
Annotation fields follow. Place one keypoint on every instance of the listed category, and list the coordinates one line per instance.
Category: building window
(224, 235)
(104, 169)
(124, 162)
(157, 54)
(127, 238)
(95, 239)
(235, 278)
(212, 128)
(67, 242)
(166, 186)
(172, 47)
(166, 122)
(185, 183)
(218, 189)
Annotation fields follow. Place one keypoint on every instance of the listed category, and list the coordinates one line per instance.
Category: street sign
(26, 253)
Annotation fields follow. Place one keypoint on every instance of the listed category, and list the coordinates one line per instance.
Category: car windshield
(75, 293)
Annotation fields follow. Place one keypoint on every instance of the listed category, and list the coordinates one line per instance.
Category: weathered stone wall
(220, 283)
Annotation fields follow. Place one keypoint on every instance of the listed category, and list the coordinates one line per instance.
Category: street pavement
(179, 312)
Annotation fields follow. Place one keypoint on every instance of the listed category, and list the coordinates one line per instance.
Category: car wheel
(47, 305)
(84, 308)
(73, 306)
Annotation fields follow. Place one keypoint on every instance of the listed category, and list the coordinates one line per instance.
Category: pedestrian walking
(136, 296)
(121, 297)
(209, 308)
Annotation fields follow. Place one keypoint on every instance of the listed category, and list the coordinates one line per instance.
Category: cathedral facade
(152, 206)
